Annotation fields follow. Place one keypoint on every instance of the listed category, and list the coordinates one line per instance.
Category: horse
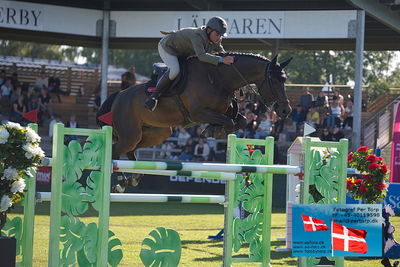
(206, 98)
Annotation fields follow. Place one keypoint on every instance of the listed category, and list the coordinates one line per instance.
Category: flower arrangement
(19, 152)
(371, 185)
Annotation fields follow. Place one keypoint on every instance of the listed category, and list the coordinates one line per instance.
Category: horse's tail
(105, 108)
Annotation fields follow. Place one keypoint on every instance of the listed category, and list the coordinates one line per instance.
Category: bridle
(268, 105)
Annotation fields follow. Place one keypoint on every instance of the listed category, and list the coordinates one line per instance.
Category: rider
(200, 42)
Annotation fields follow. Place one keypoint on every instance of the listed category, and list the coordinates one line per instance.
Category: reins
(258, 96)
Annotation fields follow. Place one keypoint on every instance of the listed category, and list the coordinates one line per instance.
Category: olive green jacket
(191, 42)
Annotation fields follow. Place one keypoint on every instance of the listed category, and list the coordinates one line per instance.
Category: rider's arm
(201, 53)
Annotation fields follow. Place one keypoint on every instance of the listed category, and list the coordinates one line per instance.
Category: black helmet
(218, 24)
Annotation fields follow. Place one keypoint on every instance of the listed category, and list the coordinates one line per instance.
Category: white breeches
(171, 61)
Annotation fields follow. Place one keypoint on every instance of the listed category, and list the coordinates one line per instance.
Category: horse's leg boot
(162, 85)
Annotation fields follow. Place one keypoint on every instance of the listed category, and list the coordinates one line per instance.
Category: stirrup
(153, 103)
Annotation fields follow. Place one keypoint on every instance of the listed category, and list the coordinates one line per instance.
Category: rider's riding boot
(162, 86)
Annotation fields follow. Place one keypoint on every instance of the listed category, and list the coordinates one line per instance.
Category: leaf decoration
(115, 254)
(71, 233)
(91, 148)
(73, 161)
(238, 233)
(163, 249)
(256, 251)
(73, 198)
(93, 189)
(253, 198)
(14, 229)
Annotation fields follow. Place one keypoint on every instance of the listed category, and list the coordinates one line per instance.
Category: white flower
(18, 186)
(10, 173)
(4, 134)
(5, 203)
(32, 136)
(32, 151)
(14, 125)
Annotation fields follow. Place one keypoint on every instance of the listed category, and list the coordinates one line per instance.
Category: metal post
(104, 54)
(358, 79)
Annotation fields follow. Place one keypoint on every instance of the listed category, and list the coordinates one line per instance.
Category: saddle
(178, 85)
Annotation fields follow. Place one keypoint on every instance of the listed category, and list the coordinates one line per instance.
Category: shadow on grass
(145, 209)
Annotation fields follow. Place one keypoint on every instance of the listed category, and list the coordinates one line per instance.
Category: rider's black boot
(162, 85)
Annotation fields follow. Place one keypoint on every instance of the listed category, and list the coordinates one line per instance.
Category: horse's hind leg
(150, 137)
(128, 140)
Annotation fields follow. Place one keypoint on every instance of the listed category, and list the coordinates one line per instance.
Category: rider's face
(215, 37)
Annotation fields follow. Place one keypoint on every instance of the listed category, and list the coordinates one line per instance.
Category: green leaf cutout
(162, 249)
(13, 228)
(71, 232)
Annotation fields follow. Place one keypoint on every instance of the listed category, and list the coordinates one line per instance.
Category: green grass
(132, 222)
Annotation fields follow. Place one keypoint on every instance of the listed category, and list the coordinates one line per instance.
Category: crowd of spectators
(330, 116)
(17, 98)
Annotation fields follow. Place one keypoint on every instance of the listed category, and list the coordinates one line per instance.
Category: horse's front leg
(219, 123)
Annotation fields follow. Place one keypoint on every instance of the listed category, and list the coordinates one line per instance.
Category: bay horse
(206, 99)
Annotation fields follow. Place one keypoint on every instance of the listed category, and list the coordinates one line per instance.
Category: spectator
(313, 117)
(322, 100)
(337, 134)
(33, 103)
(264, 127)
(30, 94)
(55, 119)
(44, 104)
(251, 126)
(326, 135)
(54, 85)
(14, 79)
(336, 111)
(2, 77)
(97, 97)
(6, 88)
(18, 109)
(201, 150)
(348, 115)
(16, 92)
(338, 96)
(186, 154)
(71, 123)
(306, 99)
(190, 144)
(42, 82)
(183, 136)
(132, 70)
(298, 117)
(127, 80)
(166, 152)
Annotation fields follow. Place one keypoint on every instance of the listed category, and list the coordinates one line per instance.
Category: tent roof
(382, 24)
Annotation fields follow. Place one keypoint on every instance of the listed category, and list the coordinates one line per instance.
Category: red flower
(251, 151)
(380, 187)
(384, 168)
(379, 158)
(362, 149)
(362, 188)
(358, 181)
(367, 177)
(350, 157)
(371, 158)
(373, 166)
(349, 183)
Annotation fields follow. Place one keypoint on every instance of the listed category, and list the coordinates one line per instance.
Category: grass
(132, 222)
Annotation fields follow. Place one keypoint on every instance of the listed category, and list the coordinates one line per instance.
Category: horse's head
(272, 87)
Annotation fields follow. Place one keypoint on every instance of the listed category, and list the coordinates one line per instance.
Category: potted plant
(371, 184)
(19, 152)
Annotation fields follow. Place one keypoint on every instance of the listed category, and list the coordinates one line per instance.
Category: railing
(377, 131)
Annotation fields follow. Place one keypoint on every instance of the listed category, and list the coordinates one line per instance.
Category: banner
(395, 159)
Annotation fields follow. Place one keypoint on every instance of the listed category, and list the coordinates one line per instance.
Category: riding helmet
(218, 24)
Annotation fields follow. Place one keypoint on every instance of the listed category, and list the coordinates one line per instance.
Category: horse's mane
(230, 53)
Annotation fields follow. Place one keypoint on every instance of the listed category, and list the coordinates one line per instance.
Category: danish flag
(348, 239)
(312, 224)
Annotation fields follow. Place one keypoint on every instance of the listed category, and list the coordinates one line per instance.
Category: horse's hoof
(118, 189)
(133, 181)
(208, 132)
